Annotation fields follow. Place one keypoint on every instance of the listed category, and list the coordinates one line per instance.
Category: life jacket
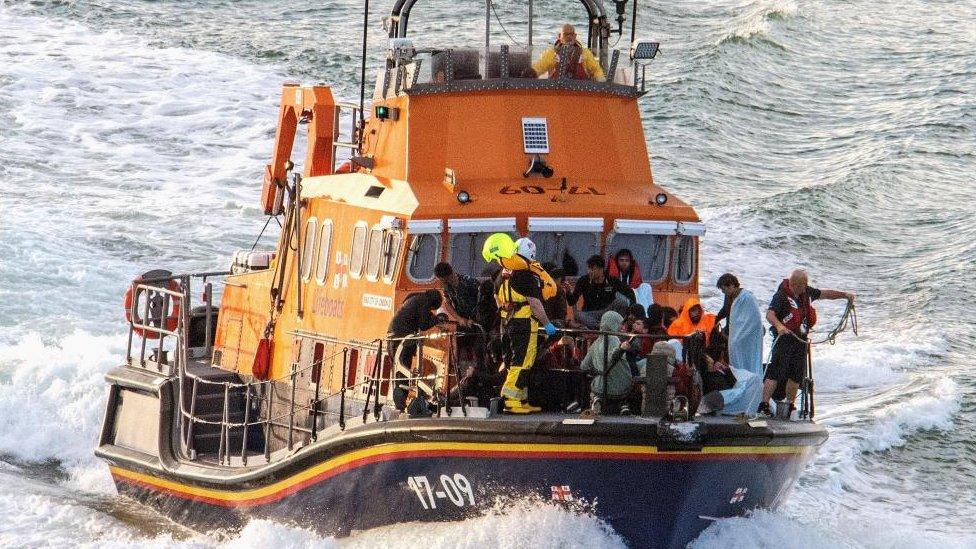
(801, 314)
(635, 274)
(513, 305)
(518, 263)
(575, 66)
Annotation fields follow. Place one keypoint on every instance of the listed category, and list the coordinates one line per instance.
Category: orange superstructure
(440, 165)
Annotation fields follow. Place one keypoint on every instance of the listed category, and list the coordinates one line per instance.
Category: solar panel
(535, 135)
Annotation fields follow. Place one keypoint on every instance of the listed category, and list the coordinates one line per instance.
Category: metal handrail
(296, 424)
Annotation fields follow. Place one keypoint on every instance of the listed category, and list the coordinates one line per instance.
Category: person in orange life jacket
(581, 65)
(791, 315)
(693, 318)
(623, 266)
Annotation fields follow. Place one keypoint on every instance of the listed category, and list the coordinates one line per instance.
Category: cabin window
(465, 256)
(325, 249)
(650, 251)
(375, 255)
(358, 255)
(684, 259)
(422, 255)
(308, 249)
(391, 255)
(568, 250)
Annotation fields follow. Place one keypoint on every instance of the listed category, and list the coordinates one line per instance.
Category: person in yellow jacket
(519, 298)
(581, 65)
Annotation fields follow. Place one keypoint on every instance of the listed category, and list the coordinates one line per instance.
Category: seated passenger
(623, 266)
(668, 316)
(613, 380)
(581, 65)
(693, 318)
(600, 293)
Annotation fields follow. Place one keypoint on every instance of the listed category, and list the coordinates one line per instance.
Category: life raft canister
(131, 300)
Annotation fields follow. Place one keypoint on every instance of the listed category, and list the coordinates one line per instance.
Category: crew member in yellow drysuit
(519, 299)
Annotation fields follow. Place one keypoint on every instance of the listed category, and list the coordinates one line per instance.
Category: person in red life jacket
(581, 65)
(623, 267)
(693, 318)
(791, 316)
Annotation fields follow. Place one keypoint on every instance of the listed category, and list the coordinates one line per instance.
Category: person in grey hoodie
(606, 358)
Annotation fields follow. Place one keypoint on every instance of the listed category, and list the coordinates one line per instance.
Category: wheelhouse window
(568, 250)
(650, 251)
(375, 255)
(325, 250)
(391, 255)
(684, 259)
(308, 248)
(422, 256)
(358, 255)
(465, 255)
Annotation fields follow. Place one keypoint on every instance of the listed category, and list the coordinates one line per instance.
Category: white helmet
(526, 248)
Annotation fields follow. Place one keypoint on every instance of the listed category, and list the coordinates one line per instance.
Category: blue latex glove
(550, 329)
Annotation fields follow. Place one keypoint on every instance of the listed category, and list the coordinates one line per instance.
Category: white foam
(264, 533)
(774, 529)
(52, 399)
(932, 409)
(519, 523)
(872, 360)
(755, 18)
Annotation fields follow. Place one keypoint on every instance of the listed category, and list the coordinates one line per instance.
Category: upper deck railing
(470, 69)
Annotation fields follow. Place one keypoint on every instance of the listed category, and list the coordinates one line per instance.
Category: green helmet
(497, 246)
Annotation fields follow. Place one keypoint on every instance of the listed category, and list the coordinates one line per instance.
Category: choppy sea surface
(839, 136)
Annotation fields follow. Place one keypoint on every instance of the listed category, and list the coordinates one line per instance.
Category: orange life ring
(170, 322)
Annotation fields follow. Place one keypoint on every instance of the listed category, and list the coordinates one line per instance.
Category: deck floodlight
(643, 49)
(661, 199)
(463, 197)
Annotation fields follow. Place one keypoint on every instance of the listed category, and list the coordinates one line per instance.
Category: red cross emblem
(738, 495)
(561, 493)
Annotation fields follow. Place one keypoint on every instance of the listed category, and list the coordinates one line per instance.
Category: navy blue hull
(651, 498)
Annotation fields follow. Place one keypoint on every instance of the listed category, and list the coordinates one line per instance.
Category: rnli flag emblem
(738, 495)
(561, 493)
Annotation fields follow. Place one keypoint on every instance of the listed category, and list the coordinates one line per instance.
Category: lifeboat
(269, 390)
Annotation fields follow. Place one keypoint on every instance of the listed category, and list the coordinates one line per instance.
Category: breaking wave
(755, 20)
(931, 410)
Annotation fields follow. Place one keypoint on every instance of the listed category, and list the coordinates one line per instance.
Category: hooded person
(613, 381)
(693, 318)
(519, 297)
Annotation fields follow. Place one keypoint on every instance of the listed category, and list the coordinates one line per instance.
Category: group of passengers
(526, 314)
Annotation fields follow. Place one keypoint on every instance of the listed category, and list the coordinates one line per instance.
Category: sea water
(834, 136)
